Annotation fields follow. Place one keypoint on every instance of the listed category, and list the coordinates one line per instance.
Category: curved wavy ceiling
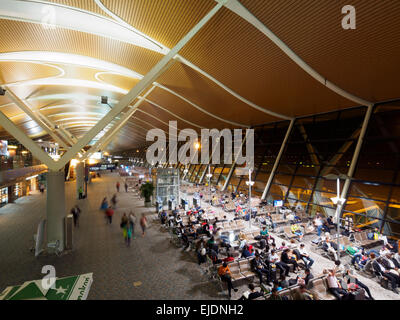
(61, 56)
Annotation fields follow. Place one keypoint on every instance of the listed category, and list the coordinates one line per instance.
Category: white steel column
(147, 80)
(356, 154)
(210, 160)
(232, 169)
(277, 160)
(55, 210)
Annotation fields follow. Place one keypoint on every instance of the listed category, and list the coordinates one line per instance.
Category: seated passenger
(325, 225)
(290, 217)
(307, 276)
(330, 221)
(229, 258)
(287, 258)
(259, 268)
(283, 283)
(214, 256)
(275, 295)
(292, 244)
(252, 293)
(334, 286)
(246, 252)
(283, 246)
(330, 247)
(178, 221)
(384, 251)
(225, 274)
(304, 255)
(351, 278)
(391, 264)
(303, 294)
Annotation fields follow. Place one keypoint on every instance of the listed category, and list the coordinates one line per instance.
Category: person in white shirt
(290, 217)
(384, 251)
(292, 244)
(327, 246)
(308, 261)
(381, 270)
(274, 259)
(318, 224)
(178, 221)
(391, 264)
(334, 286)
(397, 257)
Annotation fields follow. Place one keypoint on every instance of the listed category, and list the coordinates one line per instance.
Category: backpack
(351, 250)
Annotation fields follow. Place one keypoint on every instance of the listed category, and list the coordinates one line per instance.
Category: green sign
(68, 288)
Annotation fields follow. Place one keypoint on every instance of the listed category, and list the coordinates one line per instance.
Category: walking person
(76, 213)
(109, 214)
(126, 187)
(114, 201)
(41, 188)
(80, 191)
(143, 224)
(104, 204)
(117, 185)
(128, 228)
(124, 223)
(132, 222)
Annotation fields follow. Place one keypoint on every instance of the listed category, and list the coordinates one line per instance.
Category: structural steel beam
(356, 154)
(60, 129)
(147, 80)
(27, 142)
(277, 160)
(232, 169)
(34, 117)
(117, 126)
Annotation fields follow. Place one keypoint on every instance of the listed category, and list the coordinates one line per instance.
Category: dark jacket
(246, 254)
(256, 263)
(377, 269)
(285, 257)
(307, 278)
(386, 264)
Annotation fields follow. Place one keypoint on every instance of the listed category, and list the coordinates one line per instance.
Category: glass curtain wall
(318, 145)
(267, 143)
(374, 194)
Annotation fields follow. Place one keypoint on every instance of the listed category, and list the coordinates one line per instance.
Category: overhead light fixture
(71, 83)
(75, 19)
(69, 59)
(104, 99)
(78, 98)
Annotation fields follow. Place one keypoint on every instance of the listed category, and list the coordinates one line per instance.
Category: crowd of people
(128, 221)
(290, 264)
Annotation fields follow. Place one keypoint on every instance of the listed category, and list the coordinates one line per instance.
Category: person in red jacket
(109, 213)
(117, 185)
(229, 258)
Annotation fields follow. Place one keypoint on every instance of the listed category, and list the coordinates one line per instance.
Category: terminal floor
(151, 268)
